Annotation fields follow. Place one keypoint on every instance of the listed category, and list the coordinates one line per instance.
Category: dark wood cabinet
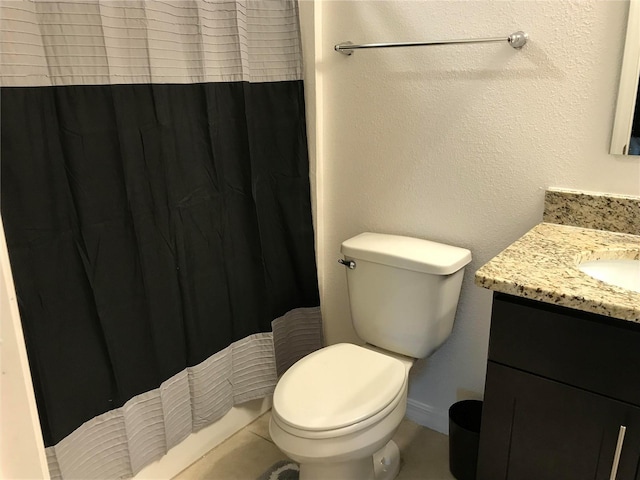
(560, 385)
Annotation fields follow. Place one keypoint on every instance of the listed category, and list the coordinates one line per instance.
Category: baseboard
(198, 444)
(428, 416)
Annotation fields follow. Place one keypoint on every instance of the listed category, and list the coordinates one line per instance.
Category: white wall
(458, 143)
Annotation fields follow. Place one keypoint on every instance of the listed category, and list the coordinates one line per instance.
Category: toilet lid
(337, 386)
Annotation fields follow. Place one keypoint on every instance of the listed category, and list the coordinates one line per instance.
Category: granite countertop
(542, 265)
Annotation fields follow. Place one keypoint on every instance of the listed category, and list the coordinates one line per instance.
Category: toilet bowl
(336, 410)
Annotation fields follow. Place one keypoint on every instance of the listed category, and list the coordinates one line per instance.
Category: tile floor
(250, 452)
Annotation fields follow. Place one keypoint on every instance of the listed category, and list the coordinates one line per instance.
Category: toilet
(335, 410)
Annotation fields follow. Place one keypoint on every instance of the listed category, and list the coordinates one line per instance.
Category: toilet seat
(338, 390)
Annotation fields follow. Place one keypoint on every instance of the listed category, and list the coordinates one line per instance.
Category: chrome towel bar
(516, 40)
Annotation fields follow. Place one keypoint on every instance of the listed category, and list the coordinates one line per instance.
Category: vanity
(562, 393)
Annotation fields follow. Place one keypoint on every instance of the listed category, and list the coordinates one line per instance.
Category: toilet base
(386, 462)
(383, 465)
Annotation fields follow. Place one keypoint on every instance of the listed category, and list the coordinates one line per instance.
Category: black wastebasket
(464, 437)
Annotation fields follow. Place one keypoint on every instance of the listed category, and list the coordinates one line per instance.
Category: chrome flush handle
(350, 264)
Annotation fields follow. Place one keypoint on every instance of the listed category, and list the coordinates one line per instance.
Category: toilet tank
(403, 291)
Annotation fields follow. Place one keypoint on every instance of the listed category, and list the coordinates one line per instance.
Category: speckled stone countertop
(542, 265)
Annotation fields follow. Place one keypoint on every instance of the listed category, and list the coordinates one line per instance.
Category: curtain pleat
(88, 42)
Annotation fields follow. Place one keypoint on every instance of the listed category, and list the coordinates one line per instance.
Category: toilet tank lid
(406, 252)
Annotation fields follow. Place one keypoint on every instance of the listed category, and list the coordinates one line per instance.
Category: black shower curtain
(150, 225)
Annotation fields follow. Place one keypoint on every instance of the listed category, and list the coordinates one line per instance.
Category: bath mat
(283, 470)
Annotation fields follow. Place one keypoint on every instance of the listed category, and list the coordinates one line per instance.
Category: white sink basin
(623, 273)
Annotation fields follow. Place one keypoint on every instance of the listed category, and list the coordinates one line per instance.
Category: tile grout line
(268, 439)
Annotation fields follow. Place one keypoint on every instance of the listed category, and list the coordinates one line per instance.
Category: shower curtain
(155, 197)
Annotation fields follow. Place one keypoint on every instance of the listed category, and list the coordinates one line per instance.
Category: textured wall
(458, 143)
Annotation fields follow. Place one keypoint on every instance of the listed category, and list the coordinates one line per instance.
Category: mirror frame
(628, 83)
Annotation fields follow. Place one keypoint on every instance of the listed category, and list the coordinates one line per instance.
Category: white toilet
(335, 411)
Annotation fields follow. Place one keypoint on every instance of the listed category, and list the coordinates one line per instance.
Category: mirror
(626, 126)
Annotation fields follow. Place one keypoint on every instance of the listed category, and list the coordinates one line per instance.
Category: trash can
(464, 437)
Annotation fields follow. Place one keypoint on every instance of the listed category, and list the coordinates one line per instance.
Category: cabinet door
(538, 429)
